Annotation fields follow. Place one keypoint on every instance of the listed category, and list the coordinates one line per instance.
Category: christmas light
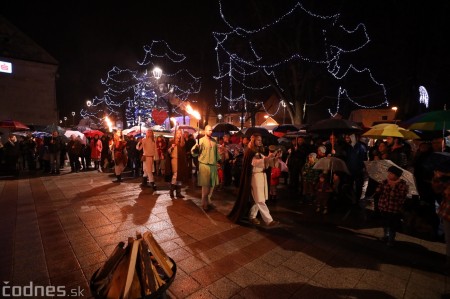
(239, 74)
(423, 98)
(135, 94)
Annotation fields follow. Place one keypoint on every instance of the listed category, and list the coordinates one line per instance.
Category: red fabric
(96, 148)
(275, 176)
(220, 174)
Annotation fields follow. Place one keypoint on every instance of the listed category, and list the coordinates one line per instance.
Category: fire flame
(193, 112)
(109, 123)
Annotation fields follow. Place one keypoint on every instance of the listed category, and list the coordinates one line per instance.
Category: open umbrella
(69, 133)
(92, 133)
(334, 126)
(267, 137)
(257, 130)
(430, 121)
(436, 159)
(377, 170)
(221, 129)
(224, 128)
(51, 128)
(390, 130)
(13, 125)
(38, 134)
(331, 164)
(299, 133)
(286, 128)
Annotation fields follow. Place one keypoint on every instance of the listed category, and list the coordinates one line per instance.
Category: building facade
(27, 79)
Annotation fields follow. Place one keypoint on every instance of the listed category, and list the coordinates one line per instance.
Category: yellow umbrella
(390, 130)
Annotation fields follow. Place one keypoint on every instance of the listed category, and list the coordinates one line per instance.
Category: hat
(314, 155)
(395, 170)
(273, 148)
(322, 149)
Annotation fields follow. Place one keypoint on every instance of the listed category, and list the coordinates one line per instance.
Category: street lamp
(157, 73)
(65, 121)
(163, 89)
(283, 103)
(73, 118)
(395, 113)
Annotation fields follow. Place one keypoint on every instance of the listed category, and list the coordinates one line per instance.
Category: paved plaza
(57, 230)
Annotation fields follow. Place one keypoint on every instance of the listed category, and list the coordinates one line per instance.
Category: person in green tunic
(208, 157)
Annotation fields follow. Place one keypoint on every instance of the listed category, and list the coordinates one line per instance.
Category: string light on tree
(134, 94)
(243, 69)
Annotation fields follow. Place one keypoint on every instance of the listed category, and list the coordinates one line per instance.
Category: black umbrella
(286, 128)
(299, 133)
(256, 130)
(267, 137)
(335, 126)
(435, 160)
(224, 128)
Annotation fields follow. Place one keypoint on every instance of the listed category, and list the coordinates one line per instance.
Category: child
(310, 177)
(274, 180)
(392, 195)
(323, 193)
(220, 174)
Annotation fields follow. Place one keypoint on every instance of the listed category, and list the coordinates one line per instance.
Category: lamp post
(163, 88)
(395, 113)
(73, 118)
(157, 73)
(65, 121)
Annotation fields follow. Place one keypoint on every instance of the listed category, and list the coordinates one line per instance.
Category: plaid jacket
(392, 198)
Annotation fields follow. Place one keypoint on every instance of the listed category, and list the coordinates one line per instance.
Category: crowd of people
(254, 169)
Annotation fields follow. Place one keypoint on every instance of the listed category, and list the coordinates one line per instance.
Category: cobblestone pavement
(57, 230)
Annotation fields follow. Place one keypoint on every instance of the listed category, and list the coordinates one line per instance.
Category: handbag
(143, 158)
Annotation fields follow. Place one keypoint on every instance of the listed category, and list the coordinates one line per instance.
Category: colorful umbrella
(431, 121)
(390, 130)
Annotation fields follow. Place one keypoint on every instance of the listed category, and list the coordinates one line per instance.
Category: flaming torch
(108, 123)
(195, 114)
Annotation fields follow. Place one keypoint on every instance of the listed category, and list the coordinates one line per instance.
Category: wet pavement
(57, 230)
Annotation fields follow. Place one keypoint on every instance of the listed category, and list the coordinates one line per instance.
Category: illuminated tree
(132, 95)
(297, 53)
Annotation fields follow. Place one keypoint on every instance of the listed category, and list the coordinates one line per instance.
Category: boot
(119, 179)
(172, 188)
(179, 195)
(153, 185)
(144, 181)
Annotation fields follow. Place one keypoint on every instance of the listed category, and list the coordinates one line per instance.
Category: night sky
(408, 48)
